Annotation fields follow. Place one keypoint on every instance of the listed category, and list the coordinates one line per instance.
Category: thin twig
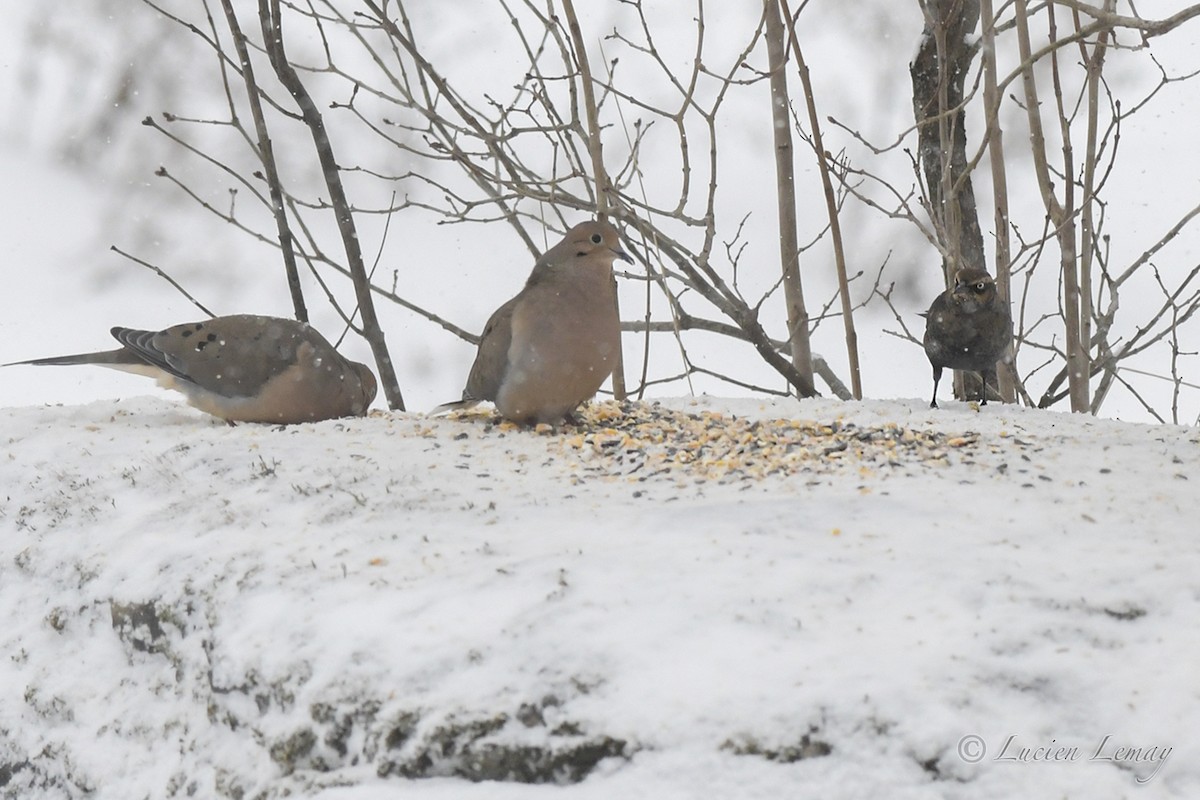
(160, 273)
(1005, 379)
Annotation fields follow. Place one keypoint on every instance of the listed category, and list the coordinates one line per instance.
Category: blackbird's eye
(597, 238)
(980, 287)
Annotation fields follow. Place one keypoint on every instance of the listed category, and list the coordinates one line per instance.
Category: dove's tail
(457, 405)
(121, 358)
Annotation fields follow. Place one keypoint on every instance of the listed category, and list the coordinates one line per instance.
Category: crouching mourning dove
(551, 347)
(242, 368)
(967, 327)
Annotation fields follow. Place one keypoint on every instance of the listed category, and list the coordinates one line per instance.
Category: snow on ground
(446, 608)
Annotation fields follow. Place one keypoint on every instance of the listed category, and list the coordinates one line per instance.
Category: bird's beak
(621, 254)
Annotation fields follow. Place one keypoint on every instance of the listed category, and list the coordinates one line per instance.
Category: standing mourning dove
(551, 347)
(242, 368)
(967, 327)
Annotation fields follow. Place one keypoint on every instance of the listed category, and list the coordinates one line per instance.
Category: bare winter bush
(528, 159)
(1018, 116)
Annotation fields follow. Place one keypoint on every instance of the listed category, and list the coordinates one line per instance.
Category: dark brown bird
(550, 348)
(967, 327)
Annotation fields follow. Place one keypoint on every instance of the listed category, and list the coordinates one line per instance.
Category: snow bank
(453, 608)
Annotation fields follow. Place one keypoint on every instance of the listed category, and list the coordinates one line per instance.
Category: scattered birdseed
(642, 440)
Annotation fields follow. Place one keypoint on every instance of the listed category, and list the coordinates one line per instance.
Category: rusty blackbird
(967, 327)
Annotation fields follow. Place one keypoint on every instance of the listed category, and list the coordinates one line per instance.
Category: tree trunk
(939, 72)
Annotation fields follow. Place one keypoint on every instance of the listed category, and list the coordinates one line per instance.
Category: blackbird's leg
(983, 388)
(937, 376)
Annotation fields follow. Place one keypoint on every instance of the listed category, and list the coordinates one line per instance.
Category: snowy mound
(704, 599)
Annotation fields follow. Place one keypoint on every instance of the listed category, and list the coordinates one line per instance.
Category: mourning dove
(242, 368)
(967, 327)
(551, 347)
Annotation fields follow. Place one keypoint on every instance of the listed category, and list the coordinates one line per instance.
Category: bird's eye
(980, 287)
(597, 238)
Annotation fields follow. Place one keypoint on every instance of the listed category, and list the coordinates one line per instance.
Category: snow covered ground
(813, 599)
